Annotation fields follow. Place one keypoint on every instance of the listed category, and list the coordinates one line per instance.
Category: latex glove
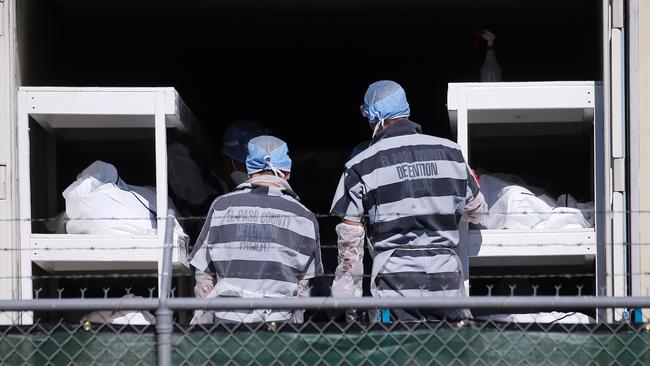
(349, 272)
(204, 284)
(303, 291)
(475, 210)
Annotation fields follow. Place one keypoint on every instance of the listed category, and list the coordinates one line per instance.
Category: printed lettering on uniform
(385, 161)
(243, 215)
(257, 229)
(253, 216)
(401, 156)
(256, 238)
(429, 154)
(417, 170)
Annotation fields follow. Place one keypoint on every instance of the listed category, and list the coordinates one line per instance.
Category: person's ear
(287, 175)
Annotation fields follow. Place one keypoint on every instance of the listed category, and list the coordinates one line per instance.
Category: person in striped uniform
(406, 192)
(260, 241)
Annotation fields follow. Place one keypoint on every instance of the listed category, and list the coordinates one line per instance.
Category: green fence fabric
(332, 344)
(440, 345)
(73, 345)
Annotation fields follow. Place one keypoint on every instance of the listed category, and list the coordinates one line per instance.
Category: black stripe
(260, 189)
(263, 201)
(408, 224)
(419, 280)
(435, 240)
(203, 235)
(285, 237)
(401, 127)
(472, 184)
(407, 154)
(400, 253)
(416, 188)
(340, 208)
(256, 270)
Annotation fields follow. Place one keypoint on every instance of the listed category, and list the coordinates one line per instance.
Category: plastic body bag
(142, 317)
(515, 206)
(100, 203)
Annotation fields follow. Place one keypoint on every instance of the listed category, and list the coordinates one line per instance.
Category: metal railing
(495, 335)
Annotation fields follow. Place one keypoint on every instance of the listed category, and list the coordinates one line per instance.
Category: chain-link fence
(502, 331)
(140, 317)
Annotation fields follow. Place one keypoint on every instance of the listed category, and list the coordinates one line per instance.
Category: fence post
(164, 321)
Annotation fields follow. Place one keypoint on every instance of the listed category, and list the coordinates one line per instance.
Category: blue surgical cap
(384, 99)
(267, 153)
(236, 137)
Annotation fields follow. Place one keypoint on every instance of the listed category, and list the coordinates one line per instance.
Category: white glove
(475, 210)
(349, 272)
(303, 291)
(204, 285)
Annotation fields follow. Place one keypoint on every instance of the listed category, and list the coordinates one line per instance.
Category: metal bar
(618, 16)
(500, 302)
(603, 195)
(78, 304)
(320, 303)
(164, 315)
(634, 151)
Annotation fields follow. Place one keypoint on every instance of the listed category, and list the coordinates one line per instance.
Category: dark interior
(557, 157)
(301, 67)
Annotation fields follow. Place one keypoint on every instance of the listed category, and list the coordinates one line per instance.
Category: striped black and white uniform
(258, 241)
(410, 190)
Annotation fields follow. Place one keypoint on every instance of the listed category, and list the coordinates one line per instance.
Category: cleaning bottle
(490, 71)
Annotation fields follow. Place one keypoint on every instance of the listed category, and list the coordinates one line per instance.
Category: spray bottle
(490, 71)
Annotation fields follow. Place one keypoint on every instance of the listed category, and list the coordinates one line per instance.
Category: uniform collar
(400, 127)
(254, 185)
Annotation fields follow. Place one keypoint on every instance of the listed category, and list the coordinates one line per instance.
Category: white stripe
(389, 174)
(294, 201)
(420, 293)
(354, 210)
(258, 215)
(233, 193)
(258, 316)
(397, 141)
(441, 263)
(266, 287)
(275, 253)
(199, 261)
(311, 271)
(444, 205)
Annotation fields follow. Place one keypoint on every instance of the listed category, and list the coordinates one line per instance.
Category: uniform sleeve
(472, 187)
(348, 200)
(200, 256)
(315, 267)
(475, 206)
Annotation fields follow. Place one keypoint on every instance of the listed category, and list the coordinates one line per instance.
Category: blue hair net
(268, 153)
(236, 137)
(384, 99)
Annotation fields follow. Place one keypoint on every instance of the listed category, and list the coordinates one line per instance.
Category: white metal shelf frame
(103, 108)
(522, 102)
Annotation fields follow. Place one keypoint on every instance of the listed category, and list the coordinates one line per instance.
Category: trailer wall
(8, 88)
